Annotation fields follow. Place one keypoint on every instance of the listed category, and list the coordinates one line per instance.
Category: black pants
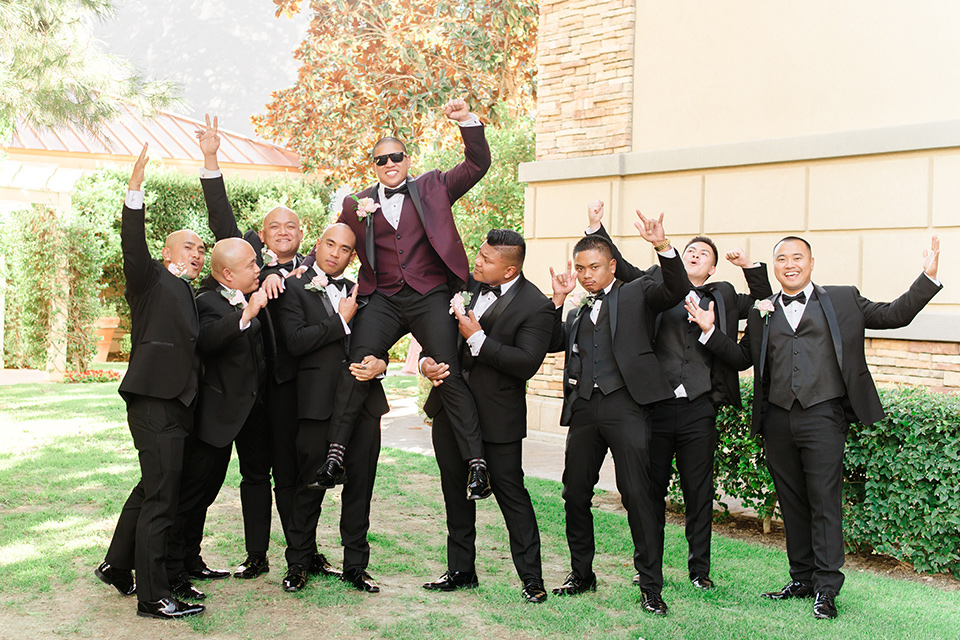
(384, 321)
(617, 423)
(505, 463)
(360, 463)
(284, 426)
(205, 468)
(687, 429)
(159, 429)
(804, 450)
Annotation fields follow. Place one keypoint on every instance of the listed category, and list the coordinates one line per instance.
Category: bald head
(281, 233)
(335, 249)
(185, 249)
(233, 264)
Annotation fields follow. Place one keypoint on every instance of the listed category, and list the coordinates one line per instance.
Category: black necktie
(486, 288)
(390, 192)
(800, 297)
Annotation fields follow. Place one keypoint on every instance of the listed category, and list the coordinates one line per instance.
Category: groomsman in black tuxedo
(412, 260)
(810, 382)
(316, 312)
(611, 380)
(277, 247)
(686, 425)
(160, 389)
(230, 409)
(505, 334)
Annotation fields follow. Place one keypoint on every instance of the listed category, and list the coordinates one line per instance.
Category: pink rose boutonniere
(269, 257)
(180, 270)
(234, 297)
(765, 307)
(460, 301)
(365, 206)
(582, 300)
(317, 283)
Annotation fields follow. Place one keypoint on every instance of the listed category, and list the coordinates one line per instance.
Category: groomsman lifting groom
(504, 337)
(810, 381)
(412, 260)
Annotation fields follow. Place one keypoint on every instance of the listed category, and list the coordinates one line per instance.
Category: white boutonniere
(460, 301)
(234, 297)
(318, 283)
(764, 307)
(581, 300)
(365, 206)
(180, 270)
(269, 257)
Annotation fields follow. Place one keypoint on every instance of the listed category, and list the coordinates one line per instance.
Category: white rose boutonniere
(234, 297)
(460, 301)
(269, 257)
(765, 307)
(365, 206)
(317, 283)
(180, 270)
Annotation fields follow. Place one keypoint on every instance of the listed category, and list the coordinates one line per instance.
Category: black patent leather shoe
(825, 608)
(296, 578)
(453, 580)
(575, 585)
(252, 567)
(478, 483)
(702, 581)
(168, 609)
(120, 579)
(793, 590)
(330, 475)
(203, 572)
(183, 589)
(360, 580)
(653, 603)
(534, 591)
(320, 567)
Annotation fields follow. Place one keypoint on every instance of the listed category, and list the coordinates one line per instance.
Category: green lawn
(67, 465)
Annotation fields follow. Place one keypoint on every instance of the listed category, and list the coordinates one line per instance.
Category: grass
(67, 464)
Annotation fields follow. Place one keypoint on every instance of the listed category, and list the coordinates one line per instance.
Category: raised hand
(456, 110)
(209, 136)
(136, 178)
(272, 285)
(348, 305)
(257, 301)
(738, 258)
(434, 371)
(594, 214)
(651, 229)
(703, 317)
(562, 284)
(368, 368)
(931, 257)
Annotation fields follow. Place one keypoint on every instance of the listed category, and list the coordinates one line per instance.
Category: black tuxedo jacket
(632, 309)
(730, 307)
(163, 316)
(230, 383)
(433, 194)
(848, 315)
(315, 335)
(518, 328)
(223, 224)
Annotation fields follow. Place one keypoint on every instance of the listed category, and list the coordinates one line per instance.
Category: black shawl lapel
(491, 315)
(827, 305)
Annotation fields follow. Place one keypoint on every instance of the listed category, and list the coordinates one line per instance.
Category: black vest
(595, 343)
(683, 359)
(802, 365)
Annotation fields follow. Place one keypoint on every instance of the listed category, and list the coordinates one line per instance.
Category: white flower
(459, 301)
(365, 206)
(765, 307)
(234, 297)
(318, 283)
(269, 257)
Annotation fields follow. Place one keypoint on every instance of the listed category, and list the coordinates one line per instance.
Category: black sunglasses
(397, 157)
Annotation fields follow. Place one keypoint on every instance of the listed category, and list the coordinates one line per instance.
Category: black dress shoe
(653, 603)
(636, 579)
(183, 589)
(478, 483)
(330, 475)
(361, 580)
(702, 581)
(168, 609)
(793, 590)
(534, 591)
(296, 578)
(825, 608)
(119, 579)
(576, 585)
(320, 567)
(453, 580)
(252, 567)
(203, 572)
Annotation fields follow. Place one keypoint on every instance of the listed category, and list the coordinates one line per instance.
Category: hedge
(901, 494)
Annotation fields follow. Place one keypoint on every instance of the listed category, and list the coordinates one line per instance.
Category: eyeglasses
(396, 157)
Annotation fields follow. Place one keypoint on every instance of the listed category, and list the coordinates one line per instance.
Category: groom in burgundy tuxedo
(412, 261)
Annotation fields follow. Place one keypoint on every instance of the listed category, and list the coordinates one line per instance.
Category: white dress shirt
(484, 302)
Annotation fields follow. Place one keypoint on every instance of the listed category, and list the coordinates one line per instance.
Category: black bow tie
(486, 288)
(598, 295)
(800, 297)
(389, 192)
(289, 265)
(340, 283)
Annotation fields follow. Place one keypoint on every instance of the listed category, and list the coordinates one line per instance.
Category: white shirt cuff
(134, 200)
(475, 342)
(669, 253)
(590, 231)
(346, 327)
(705, 337)
(208, 174)
(244, 325)
(472, 121)
(935, 281)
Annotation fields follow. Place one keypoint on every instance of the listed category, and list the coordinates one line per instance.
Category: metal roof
(170, 136)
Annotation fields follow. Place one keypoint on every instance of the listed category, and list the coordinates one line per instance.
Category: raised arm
(626, 272)
(138, 267)
(902, 311)
(758, 282)
(476, 151)
(220, 217)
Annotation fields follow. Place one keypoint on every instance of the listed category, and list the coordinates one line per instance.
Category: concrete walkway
(22, 376)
